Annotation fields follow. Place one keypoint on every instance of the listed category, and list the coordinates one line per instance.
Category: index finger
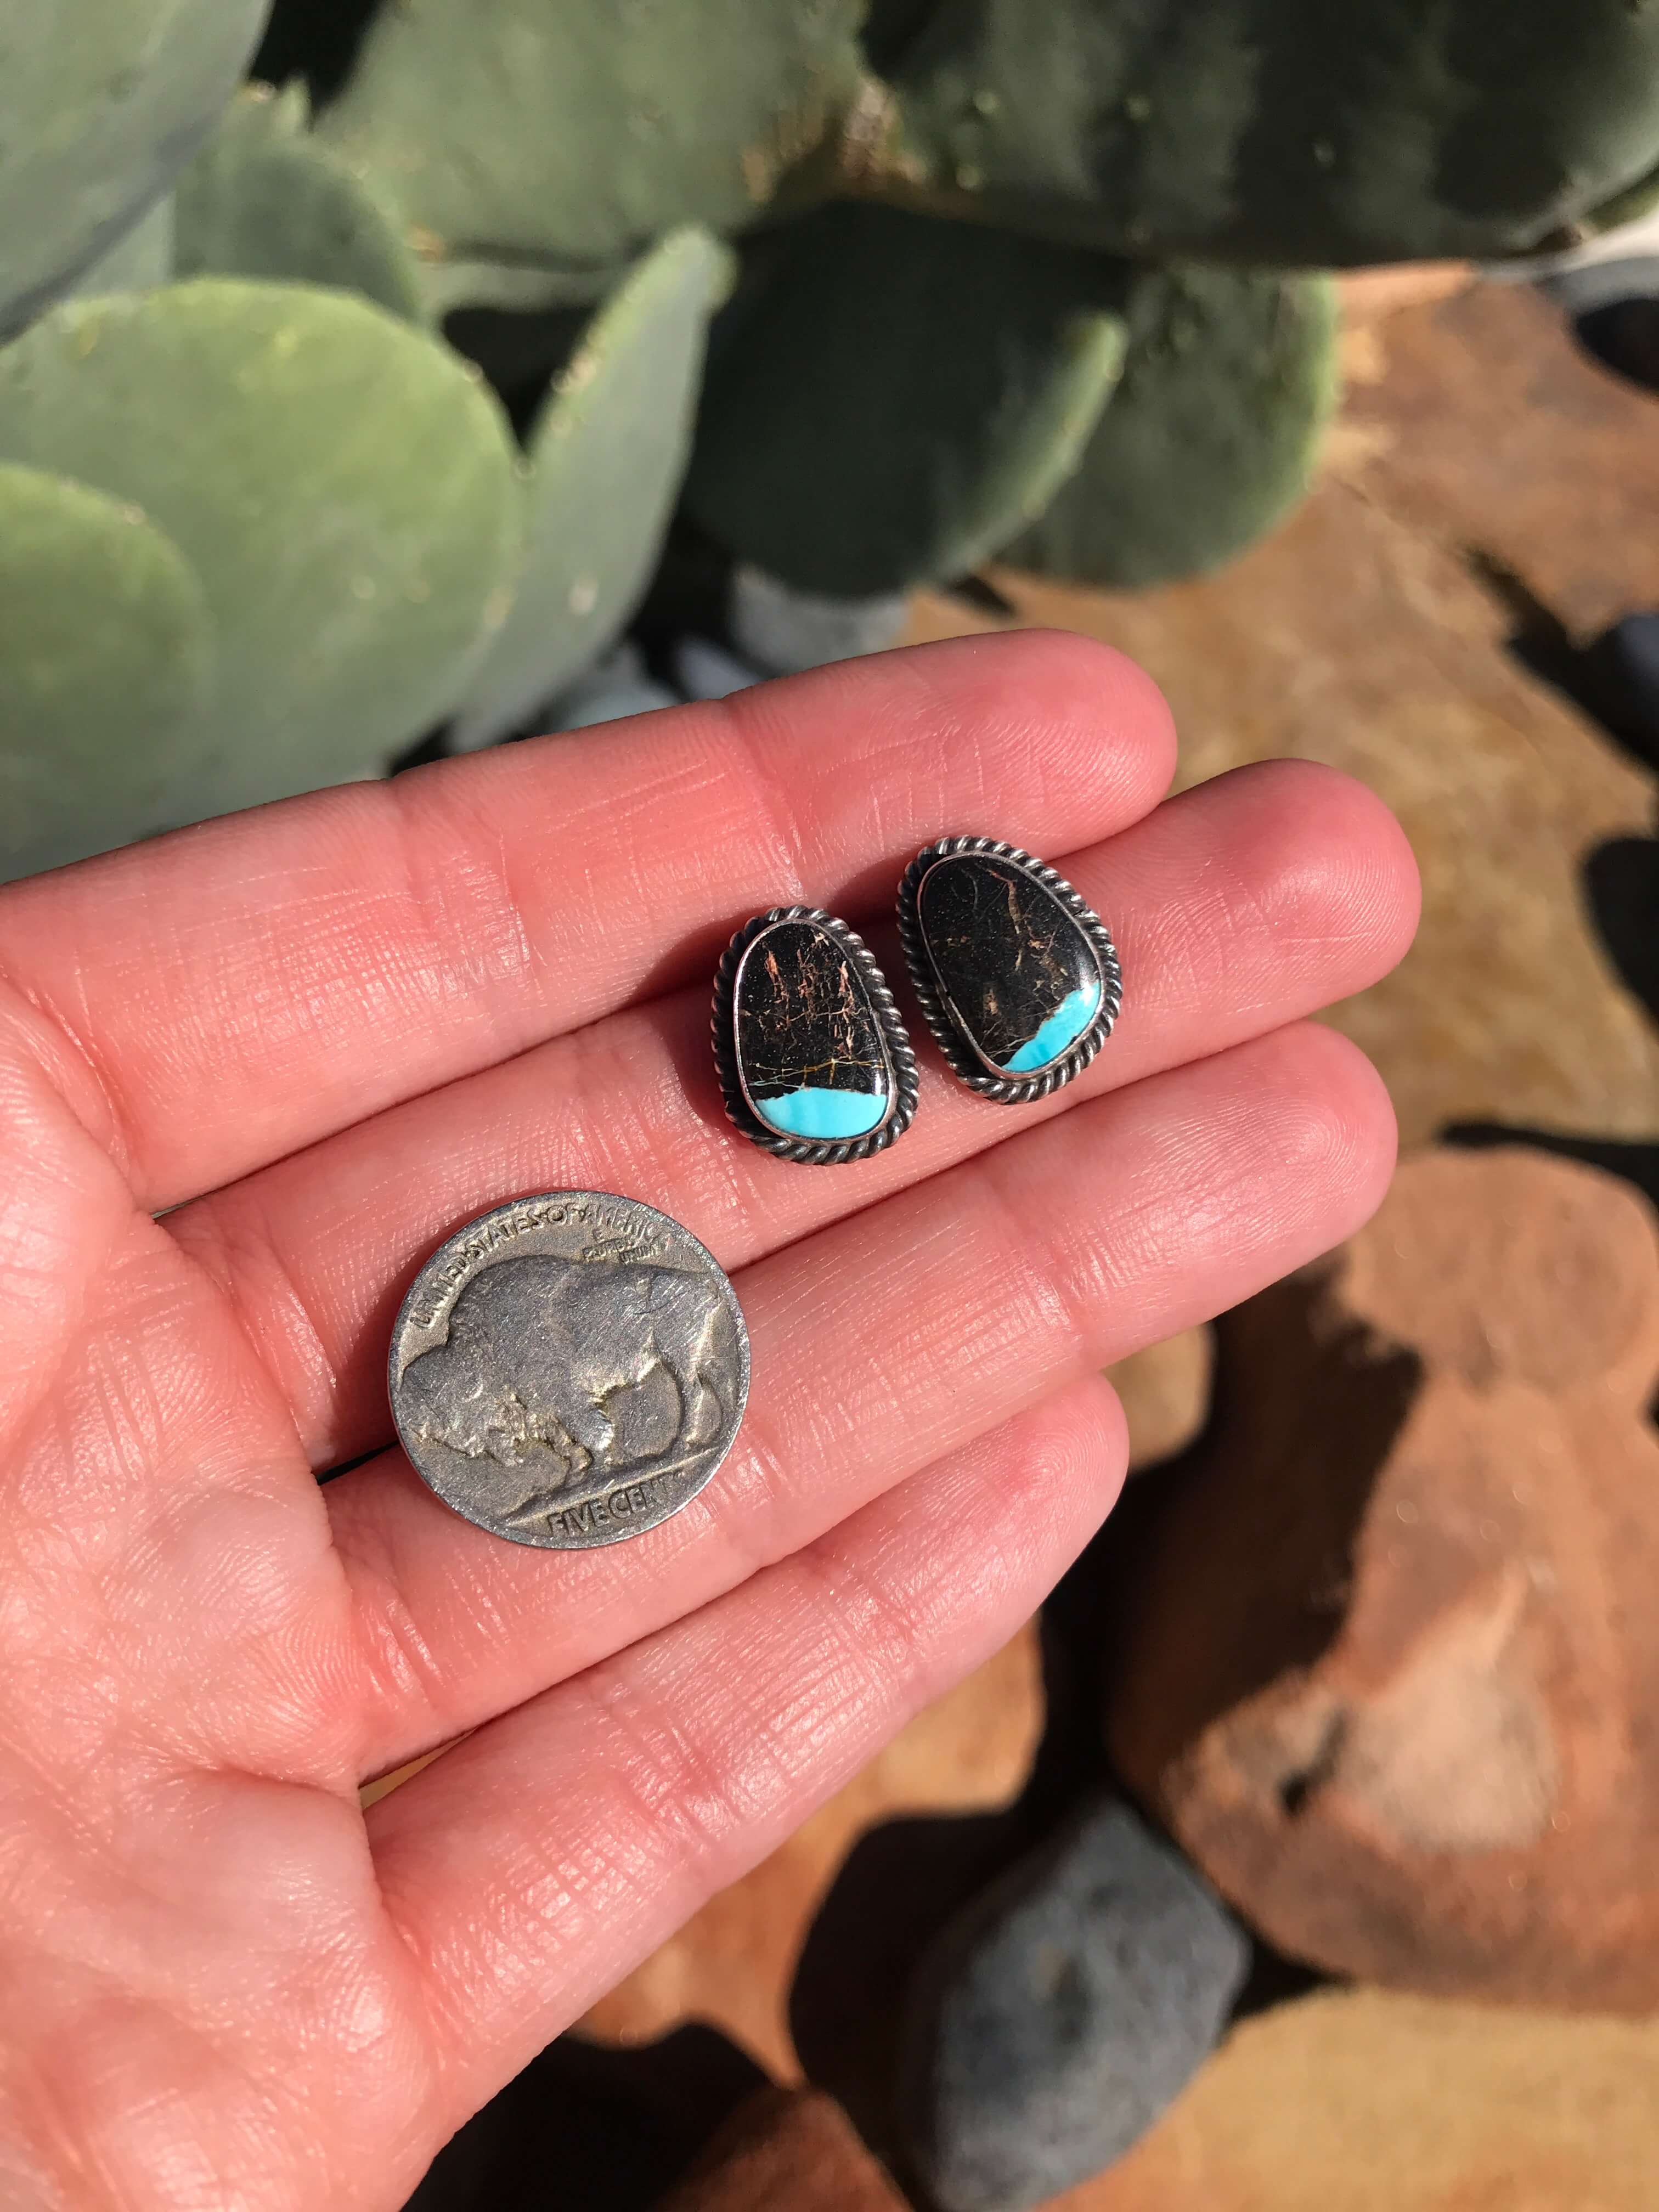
(215, 999)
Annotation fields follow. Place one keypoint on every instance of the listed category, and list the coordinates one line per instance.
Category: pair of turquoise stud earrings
(1016, 973)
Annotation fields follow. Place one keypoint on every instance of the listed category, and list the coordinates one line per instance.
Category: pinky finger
(537, 1863)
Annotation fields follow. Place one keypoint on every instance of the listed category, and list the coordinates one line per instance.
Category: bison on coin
(547, 1360)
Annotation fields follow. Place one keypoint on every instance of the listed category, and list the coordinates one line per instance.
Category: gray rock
(784, 630)
(1632, 646)
(611, 688)
(1054, 2021)
(612, 706)
(704, 670)
(1581, 289)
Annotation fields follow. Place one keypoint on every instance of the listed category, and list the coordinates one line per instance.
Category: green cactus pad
(1636, 200)
(100, 104)
(106, 660)
(140, 260)
(1281, 131)
(896, 396)
(570, 135)
(264, 198)
(514, 287)
(340, 482)
(607, 453)
(1210, 437)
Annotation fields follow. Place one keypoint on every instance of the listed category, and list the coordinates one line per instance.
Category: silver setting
(811, 1152)
(964, 1060)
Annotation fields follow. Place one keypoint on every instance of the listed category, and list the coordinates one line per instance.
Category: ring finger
(1247, 902)
(880, 1343)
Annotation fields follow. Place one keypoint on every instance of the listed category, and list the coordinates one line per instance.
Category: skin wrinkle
(880, 1650)
(402, 1670)
(210, 2033)
(191, 1726)
(637, 1891)
(688, 789)
(217, 2083)
(1292, 896)
(463, 904)
(290, 1650)
(268, 1013)
(64, 1062)
(555, 1904)
(264, 1302)
(1001, 1345)
(183, 1726)
(31, 1881)
(389, 985)
(63, 2143)
(638, 1819)
(786, 862)
(649, 1124)
(650, 1048)
(1022, 688)
(691, 1795)
(33, 1156)
(857, 1393)
(318, 1943)
(128, 1421)
(759, 1498)
(1049, 1283)
(119, 1571)
(1059, 746)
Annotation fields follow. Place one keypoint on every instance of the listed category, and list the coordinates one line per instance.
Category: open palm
(312, 1040)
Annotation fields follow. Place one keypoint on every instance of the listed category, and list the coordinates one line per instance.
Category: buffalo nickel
(570, 1370)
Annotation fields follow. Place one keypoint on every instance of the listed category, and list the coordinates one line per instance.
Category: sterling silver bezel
(810, 1152)
(951, 1038)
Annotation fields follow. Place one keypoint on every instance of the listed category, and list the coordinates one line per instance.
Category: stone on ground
(1392, 1667)
(1058, 2018)
(1356, 2101)
(787, 2148)
(1481, 421)
(732, 1964)
(1351, 637)
(784, 631)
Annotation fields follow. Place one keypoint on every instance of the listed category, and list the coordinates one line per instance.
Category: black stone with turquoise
(812, 1055)
(1015, 971)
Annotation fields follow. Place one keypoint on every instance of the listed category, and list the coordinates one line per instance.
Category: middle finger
(881, 1344)
(1243, 905)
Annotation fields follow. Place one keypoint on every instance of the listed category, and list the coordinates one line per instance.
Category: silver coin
(570, 1370)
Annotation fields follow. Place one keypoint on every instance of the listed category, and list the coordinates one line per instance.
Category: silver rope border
(963, 1061)
(807, 1150)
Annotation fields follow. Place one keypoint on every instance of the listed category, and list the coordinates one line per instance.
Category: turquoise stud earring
(1016, 972)
(814, 1064)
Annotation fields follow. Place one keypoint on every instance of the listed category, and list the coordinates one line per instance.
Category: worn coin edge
(623, 1485)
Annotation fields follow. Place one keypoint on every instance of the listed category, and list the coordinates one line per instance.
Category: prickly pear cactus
(896, 395)
(339, 485)
(606, 459)
(264, 197)
(1636, 200)
(100, 104)
(526, 137)
(1210, 437)
(1280, 132)
(140, 260)
(105, 668)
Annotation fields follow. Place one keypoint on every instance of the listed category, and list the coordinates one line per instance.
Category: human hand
(325, 1034)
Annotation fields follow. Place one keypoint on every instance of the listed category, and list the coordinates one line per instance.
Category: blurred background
(386, 378)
